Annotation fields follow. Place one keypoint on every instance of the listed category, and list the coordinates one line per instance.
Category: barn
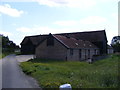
(98, 38)
(29, 43)
(66, 46)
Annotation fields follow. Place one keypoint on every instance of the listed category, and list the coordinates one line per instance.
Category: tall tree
(8, 45)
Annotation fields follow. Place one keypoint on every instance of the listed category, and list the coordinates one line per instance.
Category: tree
(5, 41)
(116, 43)
(8, 45)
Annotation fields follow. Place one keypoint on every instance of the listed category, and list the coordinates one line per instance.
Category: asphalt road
(12, 75)
(0, 74)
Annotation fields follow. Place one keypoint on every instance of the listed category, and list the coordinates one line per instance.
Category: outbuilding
(67, 48)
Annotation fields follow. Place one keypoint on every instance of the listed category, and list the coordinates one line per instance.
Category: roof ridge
(37, 35)
(80, 32)
(64, 33)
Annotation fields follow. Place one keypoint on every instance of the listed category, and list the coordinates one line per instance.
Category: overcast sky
(33, 17)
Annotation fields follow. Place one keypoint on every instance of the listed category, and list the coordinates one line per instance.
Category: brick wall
(58, 51)
(85, 54)
(74, 56)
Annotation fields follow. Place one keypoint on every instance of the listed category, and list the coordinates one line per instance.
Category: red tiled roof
(74, 43)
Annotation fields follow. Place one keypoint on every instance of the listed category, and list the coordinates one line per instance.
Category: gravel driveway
(24, 58)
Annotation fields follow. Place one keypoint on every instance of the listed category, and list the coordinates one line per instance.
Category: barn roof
(91, 36)
(74, 43)
(109, 47)
(34, 39)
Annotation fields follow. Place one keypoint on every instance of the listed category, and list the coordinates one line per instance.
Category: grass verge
(2, 55)
(51, 74)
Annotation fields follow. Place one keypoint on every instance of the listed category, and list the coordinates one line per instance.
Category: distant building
(66, 46)
(110, 49)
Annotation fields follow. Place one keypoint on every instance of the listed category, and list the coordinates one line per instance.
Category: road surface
(12, 75)
(0, 74)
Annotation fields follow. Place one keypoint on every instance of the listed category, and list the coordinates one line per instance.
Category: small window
(50, 41)
(85, 54)
(71, 51)
(80, 53)
(88, 53)
(95, 51)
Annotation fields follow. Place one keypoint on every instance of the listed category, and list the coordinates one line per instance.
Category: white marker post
(65, 87)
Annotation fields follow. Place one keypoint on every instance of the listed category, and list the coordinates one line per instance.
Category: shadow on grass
(44, 60)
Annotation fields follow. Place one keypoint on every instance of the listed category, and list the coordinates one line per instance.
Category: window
(88, 53)
(80, 53)
(50, 41)
(71, 51)
(95, 51)
(85, 54)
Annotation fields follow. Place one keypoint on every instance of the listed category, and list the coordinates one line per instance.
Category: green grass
(51, 74)
(4, 54)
